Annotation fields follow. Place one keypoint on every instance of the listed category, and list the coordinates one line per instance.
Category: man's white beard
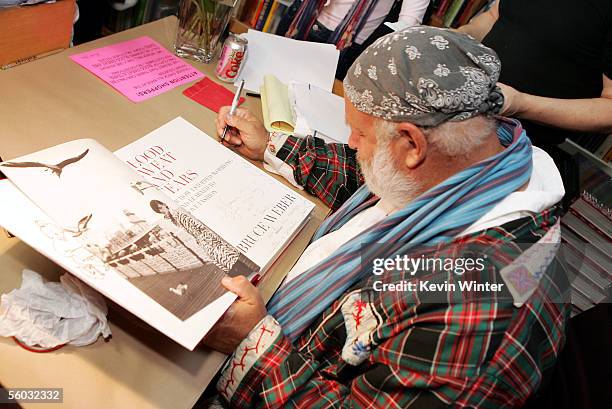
(385, 180)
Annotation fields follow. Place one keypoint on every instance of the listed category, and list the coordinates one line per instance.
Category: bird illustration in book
(55, 169)
(81, 226)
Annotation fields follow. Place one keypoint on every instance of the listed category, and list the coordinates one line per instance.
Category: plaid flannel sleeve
(326, 170)
(267, 371)
(461, 354)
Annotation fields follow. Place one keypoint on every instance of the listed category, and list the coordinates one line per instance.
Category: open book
(156, 225)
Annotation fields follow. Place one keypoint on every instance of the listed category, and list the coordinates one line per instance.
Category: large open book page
(155, 234)
(249, 208)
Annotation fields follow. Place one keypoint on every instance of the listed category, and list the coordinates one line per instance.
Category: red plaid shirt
(328, 171)
(407, 353)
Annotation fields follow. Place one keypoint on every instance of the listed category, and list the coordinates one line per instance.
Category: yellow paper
(275, 105)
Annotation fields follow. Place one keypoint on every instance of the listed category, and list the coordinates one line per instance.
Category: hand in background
(251, 139)
(512, 101)
(239, 319)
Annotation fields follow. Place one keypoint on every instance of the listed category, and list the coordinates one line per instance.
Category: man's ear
(412, 145)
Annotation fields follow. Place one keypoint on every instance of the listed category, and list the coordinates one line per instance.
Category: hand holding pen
(246, 134)
(232, 111)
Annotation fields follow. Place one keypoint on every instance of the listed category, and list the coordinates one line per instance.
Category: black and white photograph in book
(176, 260)
(142, 235)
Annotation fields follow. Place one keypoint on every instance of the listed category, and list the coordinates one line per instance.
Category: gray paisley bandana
(426, 76)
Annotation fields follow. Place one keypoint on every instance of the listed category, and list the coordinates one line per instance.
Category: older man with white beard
(444, 181)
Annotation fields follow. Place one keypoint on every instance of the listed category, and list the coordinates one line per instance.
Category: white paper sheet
(288, 60)
(318, 110)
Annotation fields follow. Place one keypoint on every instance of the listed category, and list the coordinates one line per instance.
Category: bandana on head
(426, 76)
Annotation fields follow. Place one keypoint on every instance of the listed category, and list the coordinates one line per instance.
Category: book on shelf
(455, 13)
(270, 17)
(452, 12)
(264, 14)
(276, 20)
(269, 14)
(156, 225)
(255, 17)
(442, 7)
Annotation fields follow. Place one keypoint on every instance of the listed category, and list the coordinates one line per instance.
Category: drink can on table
(232, 58)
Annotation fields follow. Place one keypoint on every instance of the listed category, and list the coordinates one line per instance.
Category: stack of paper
(288, 60)
(303, 109)
(318, 112)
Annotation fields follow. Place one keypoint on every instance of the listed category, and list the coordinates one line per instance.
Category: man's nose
(353, 141)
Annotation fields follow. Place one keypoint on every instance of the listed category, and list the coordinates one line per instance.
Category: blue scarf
(437, 216)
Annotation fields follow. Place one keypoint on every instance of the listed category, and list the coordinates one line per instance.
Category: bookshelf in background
(455, 13)
(264, 15)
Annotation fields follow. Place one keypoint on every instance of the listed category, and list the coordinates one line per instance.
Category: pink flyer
(139, 68)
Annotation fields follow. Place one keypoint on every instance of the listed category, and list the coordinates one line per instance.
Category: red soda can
(232, 57)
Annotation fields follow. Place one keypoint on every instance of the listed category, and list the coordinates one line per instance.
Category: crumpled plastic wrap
(49, 314)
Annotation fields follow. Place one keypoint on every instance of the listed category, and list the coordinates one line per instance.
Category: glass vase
(200, 27)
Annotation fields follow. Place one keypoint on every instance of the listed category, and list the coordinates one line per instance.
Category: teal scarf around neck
(436, 216)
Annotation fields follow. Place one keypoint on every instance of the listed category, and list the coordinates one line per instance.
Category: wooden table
(53, 100)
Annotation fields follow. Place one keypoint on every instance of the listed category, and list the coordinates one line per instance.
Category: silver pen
(233, 108)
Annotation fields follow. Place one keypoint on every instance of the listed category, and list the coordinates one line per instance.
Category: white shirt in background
(411, 14)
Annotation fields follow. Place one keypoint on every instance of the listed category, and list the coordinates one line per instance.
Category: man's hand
(512, 101)
(239, 319)
(251, 139)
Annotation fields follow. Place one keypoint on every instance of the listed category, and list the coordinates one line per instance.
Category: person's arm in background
(327, 171)
(412, 11)
(586, 115)
(411, 14)
(479, 26)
